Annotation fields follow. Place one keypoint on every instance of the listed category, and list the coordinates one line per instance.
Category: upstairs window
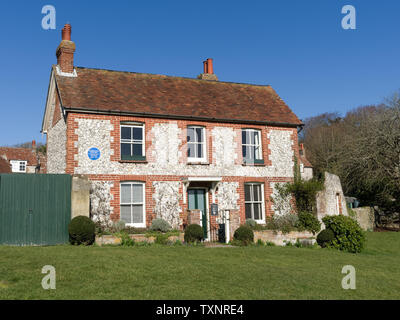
(132, 142)
(18, 166)
(254, 201)
(251, 146)
(196, 144)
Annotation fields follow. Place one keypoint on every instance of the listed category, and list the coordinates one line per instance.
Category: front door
(197, 200)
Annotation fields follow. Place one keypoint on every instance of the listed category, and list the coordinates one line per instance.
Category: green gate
(35, 209)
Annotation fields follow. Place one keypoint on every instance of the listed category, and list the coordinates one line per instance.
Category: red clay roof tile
(148, 94)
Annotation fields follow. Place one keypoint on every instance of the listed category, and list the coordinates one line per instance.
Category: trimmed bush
(81, 231)
(193, 233)
(251, 223)
(244, 234)
(348, 234)
(307, 221)
(325, 237)
(160, 225)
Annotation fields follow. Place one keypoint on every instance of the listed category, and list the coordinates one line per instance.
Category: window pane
(137, 193)
(137, 149)
(191, 150)
(252, 139)
(244, 152)
(126, 214)
(192, 199)
(137, 213)
(247, 191)
(200, 150)
(137, 133)
(126, 133)
(257, 138)
(126, 195)
(257, 211)
(199, 134)
(243, 136)
(257, 153)
(257, 192)
(190, 134)
(248, 211)
(251, 152)
(125, 149)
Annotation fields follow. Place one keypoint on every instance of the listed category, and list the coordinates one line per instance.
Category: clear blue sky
(298, 47)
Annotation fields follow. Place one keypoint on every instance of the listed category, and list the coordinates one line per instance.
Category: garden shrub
(118, 226)
(285, 222)
(162, 238)
(160, 225)
(251, 223)
(325, 237)
(193, 233)
(348, 235)
(244, 234)
(126, 240)
(307, 221)
(260, 243)
(81, 230)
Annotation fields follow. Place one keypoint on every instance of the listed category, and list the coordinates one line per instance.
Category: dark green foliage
(325, 237)
(81, 231)
(126, 240)
(307, 221)
(160, 225)
(244, 234)
(348, 234)
(305, 193)
(193, 233)
(162, 238)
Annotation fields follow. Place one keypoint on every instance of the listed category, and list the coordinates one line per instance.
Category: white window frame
(143, 203)
(252, 201)
(259, 156)
(18, 163)
(133, 141)
(203, 143)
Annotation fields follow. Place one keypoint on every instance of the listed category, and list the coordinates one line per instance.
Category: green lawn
(162, 272)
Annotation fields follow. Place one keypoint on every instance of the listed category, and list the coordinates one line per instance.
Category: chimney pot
(66, 32)
(210, 66)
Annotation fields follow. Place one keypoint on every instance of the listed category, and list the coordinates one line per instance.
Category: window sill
(132, 161)
(253, 164)
(204, 163)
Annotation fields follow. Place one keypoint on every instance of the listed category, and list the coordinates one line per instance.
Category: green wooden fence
(35, 209)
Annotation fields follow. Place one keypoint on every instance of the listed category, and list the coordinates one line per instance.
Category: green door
(197, 200)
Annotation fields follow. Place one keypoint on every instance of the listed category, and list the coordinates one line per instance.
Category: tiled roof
(158, 95)
(22, 154)
(4, 166)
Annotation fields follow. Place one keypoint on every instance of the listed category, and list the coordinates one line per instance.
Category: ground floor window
(254, 201)
(133, 204)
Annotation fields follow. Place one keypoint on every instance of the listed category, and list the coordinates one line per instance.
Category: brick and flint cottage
(176, 148)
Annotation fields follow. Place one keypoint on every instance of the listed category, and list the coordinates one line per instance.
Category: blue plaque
(94, 153)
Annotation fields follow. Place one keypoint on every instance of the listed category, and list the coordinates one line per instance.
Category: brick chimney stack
(208, 71)
(65, 51)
